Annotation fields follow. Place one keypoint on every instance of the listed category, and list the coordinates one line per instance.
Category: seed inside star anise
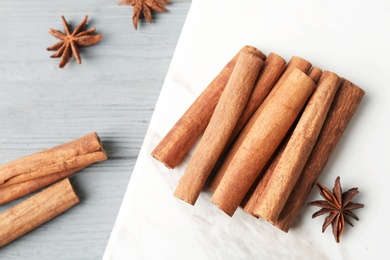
(339, 205)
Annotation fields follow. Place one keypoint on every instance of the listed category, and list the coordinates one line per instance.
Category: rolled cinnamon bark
(220, 127)
(262, 139)
(344, 106)
(18, 190)
(183, 135)
(298, 149)
(67, 157)
(36, 210)
(294, 63)
(251, 199)
(315, 74)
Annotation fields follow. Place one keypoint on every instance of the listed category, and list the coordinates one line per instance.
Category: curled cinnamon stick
(182, 136)
(80, 152)
(298, 149)
(31, 173)
(262, 139)
(36, 210)
(226, 114)
(252, 198)
(294, 63)
(344, 106)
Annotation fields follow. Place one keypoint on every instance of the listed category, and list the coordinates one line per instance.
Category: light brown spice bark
(31, 173)
(261, 140)
(80, 152)
(36, 210)
(226, 114)
(252, 197)
(298, 149)
(183, 135)
(294, 63)
(344, 106)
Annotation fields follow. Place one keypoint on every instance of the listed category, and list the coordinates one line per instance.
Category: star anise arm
(65, 24)
(338, 227)
(81, 26)
(348, 196)
(55, 46)
(328, 195)
(75, 52)
(88, 40)
(59, 52)
(147, 13)
(328, 220)
(137, 9)
(87, 32)
(156, 5)
(321, 212)
(322, 204)
(337, 191)
(67, 54)
(57, 34)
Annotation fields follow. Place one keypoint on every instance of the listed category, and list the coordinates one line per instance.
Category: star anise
(70, 42)
(339, 205)
(145, 7)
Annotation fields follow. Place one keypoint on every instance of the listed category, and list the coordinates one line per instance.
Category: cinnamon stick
(252, 197)
(298, 149)
(36, 210)
(344, 106)
(80, 152)
(294, 63)
(262, 139)
(182, 136)
(18, 190)
(227, 112)
(31, 173)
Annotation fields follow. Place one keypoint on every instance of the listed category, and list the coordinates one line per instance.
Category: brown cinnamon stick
(80, 152)
(182, 136)
(344, 106)
(315, 74)
(227, 112)
(18, 190)
(36, 210)
(261, 141)
(252, 197)
(294, 63)
(39, 170)
(298, 149)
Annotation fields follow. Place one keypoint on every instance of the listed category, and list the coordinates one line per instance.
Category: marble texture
(344, 37)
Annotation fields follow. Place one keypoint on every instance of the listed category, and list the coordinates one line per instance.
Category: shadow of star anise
(145, 7)
(339, 205)
(70, 42)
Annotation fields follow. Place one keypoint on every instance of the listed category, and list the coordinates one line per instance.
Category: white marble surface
(346, 37)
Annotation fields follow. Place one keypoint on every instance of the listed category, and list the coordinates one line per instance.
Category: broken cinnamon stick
(182, 136)
(227, 112)
(298, 149)
(344, 106)
(294, 63)
(261, 141)
(38, 170)
(36, 210)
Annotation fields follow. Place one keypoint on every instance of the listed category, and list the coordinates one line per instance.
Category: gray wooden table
(113, 93)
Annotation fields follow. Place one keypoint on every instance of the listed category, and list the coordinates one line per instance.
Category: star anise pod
(339, 205)
(145, 7)
(70, 42)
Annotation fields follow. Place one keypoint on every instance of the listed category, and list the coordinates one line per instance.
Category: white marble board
(349, 38)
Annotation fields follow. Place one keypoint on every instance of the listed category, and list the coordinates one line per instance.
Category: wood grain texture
(113, 93)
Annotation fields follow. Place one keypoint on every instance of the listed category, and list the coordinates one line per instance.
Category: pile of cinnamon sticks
(52, 168)
(267, 128)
